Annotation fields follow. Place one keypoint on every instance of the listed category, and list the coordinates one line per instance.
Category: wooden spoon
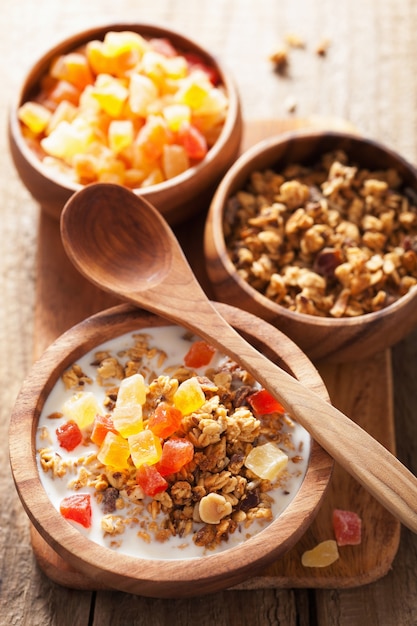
(122, 244)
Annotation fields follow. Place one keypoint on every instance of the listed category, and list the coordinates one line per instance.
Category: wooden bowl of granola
(210, 520)
(129, 103)
(316, 232)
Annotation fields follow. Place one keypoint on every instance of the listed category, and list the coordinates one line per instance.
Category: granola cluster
(331, 240)
(215, 485)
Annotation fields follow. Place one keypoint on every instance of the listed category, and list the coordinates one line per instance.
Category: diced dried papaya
(176, 453)
(102, 425)
(151, 481)
(77, 508)
(69, 435)
(199, 354)
(264, 403)
(74, 68)
(347, 526)
(165, 420)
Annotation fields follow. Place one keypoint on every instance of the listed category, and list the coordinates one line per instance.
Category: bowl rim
(148, 576)
(42, 63)
(239, 171)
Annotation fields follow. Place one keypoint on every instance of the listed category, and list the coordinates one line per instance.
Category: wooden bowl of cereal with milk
(154, 465)
(129, 103)
(316, 232)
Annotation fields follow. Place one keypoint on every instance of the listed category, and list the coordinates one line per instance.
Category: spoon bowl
(122, 244)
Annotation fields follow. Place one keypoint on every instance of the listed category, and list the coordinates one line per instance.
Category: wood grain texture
(368, 76)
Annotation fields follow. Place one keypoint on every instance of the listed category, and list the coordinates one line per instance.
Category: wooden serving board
(362, 390)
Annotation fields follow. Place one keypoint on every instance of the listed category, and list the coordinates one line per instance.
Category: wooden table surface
(368, 77)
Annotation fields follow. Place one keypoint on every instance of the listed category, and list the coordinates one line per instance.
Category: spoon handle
(364, 458)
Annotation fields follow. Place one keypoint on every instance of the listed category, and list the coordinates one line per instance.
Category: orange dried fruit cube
(102, 425)
(35, 116)
(153, 178)
(145, 447)
(114, 451)
(74, 68)
(63, 90)
(189, 396)
(267, 461)
(82, 408)
(153, 136)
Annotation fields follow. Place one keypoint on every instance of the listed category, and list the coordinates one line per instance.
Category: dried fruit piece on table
(322, 555)
(347, 526)
(77, 508)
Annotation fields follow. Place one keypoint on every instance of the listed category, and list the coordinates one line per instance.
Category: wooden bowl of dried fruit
(152, 464)
(133, 104)
(316, 232)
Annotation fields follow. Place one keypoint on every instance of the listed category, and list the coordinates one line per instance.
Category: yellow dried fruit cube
(127, 419)
(192, 93)
(82, 407)
(267, 461)
(114, 451)
(35, 116)
(132, 389)
(119, 42)
(189, 396)
(322, 555)
(145, 447)
(111, 94)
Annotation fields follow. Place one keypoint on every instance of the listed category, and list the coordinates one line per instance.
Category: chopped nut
(213, 508)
